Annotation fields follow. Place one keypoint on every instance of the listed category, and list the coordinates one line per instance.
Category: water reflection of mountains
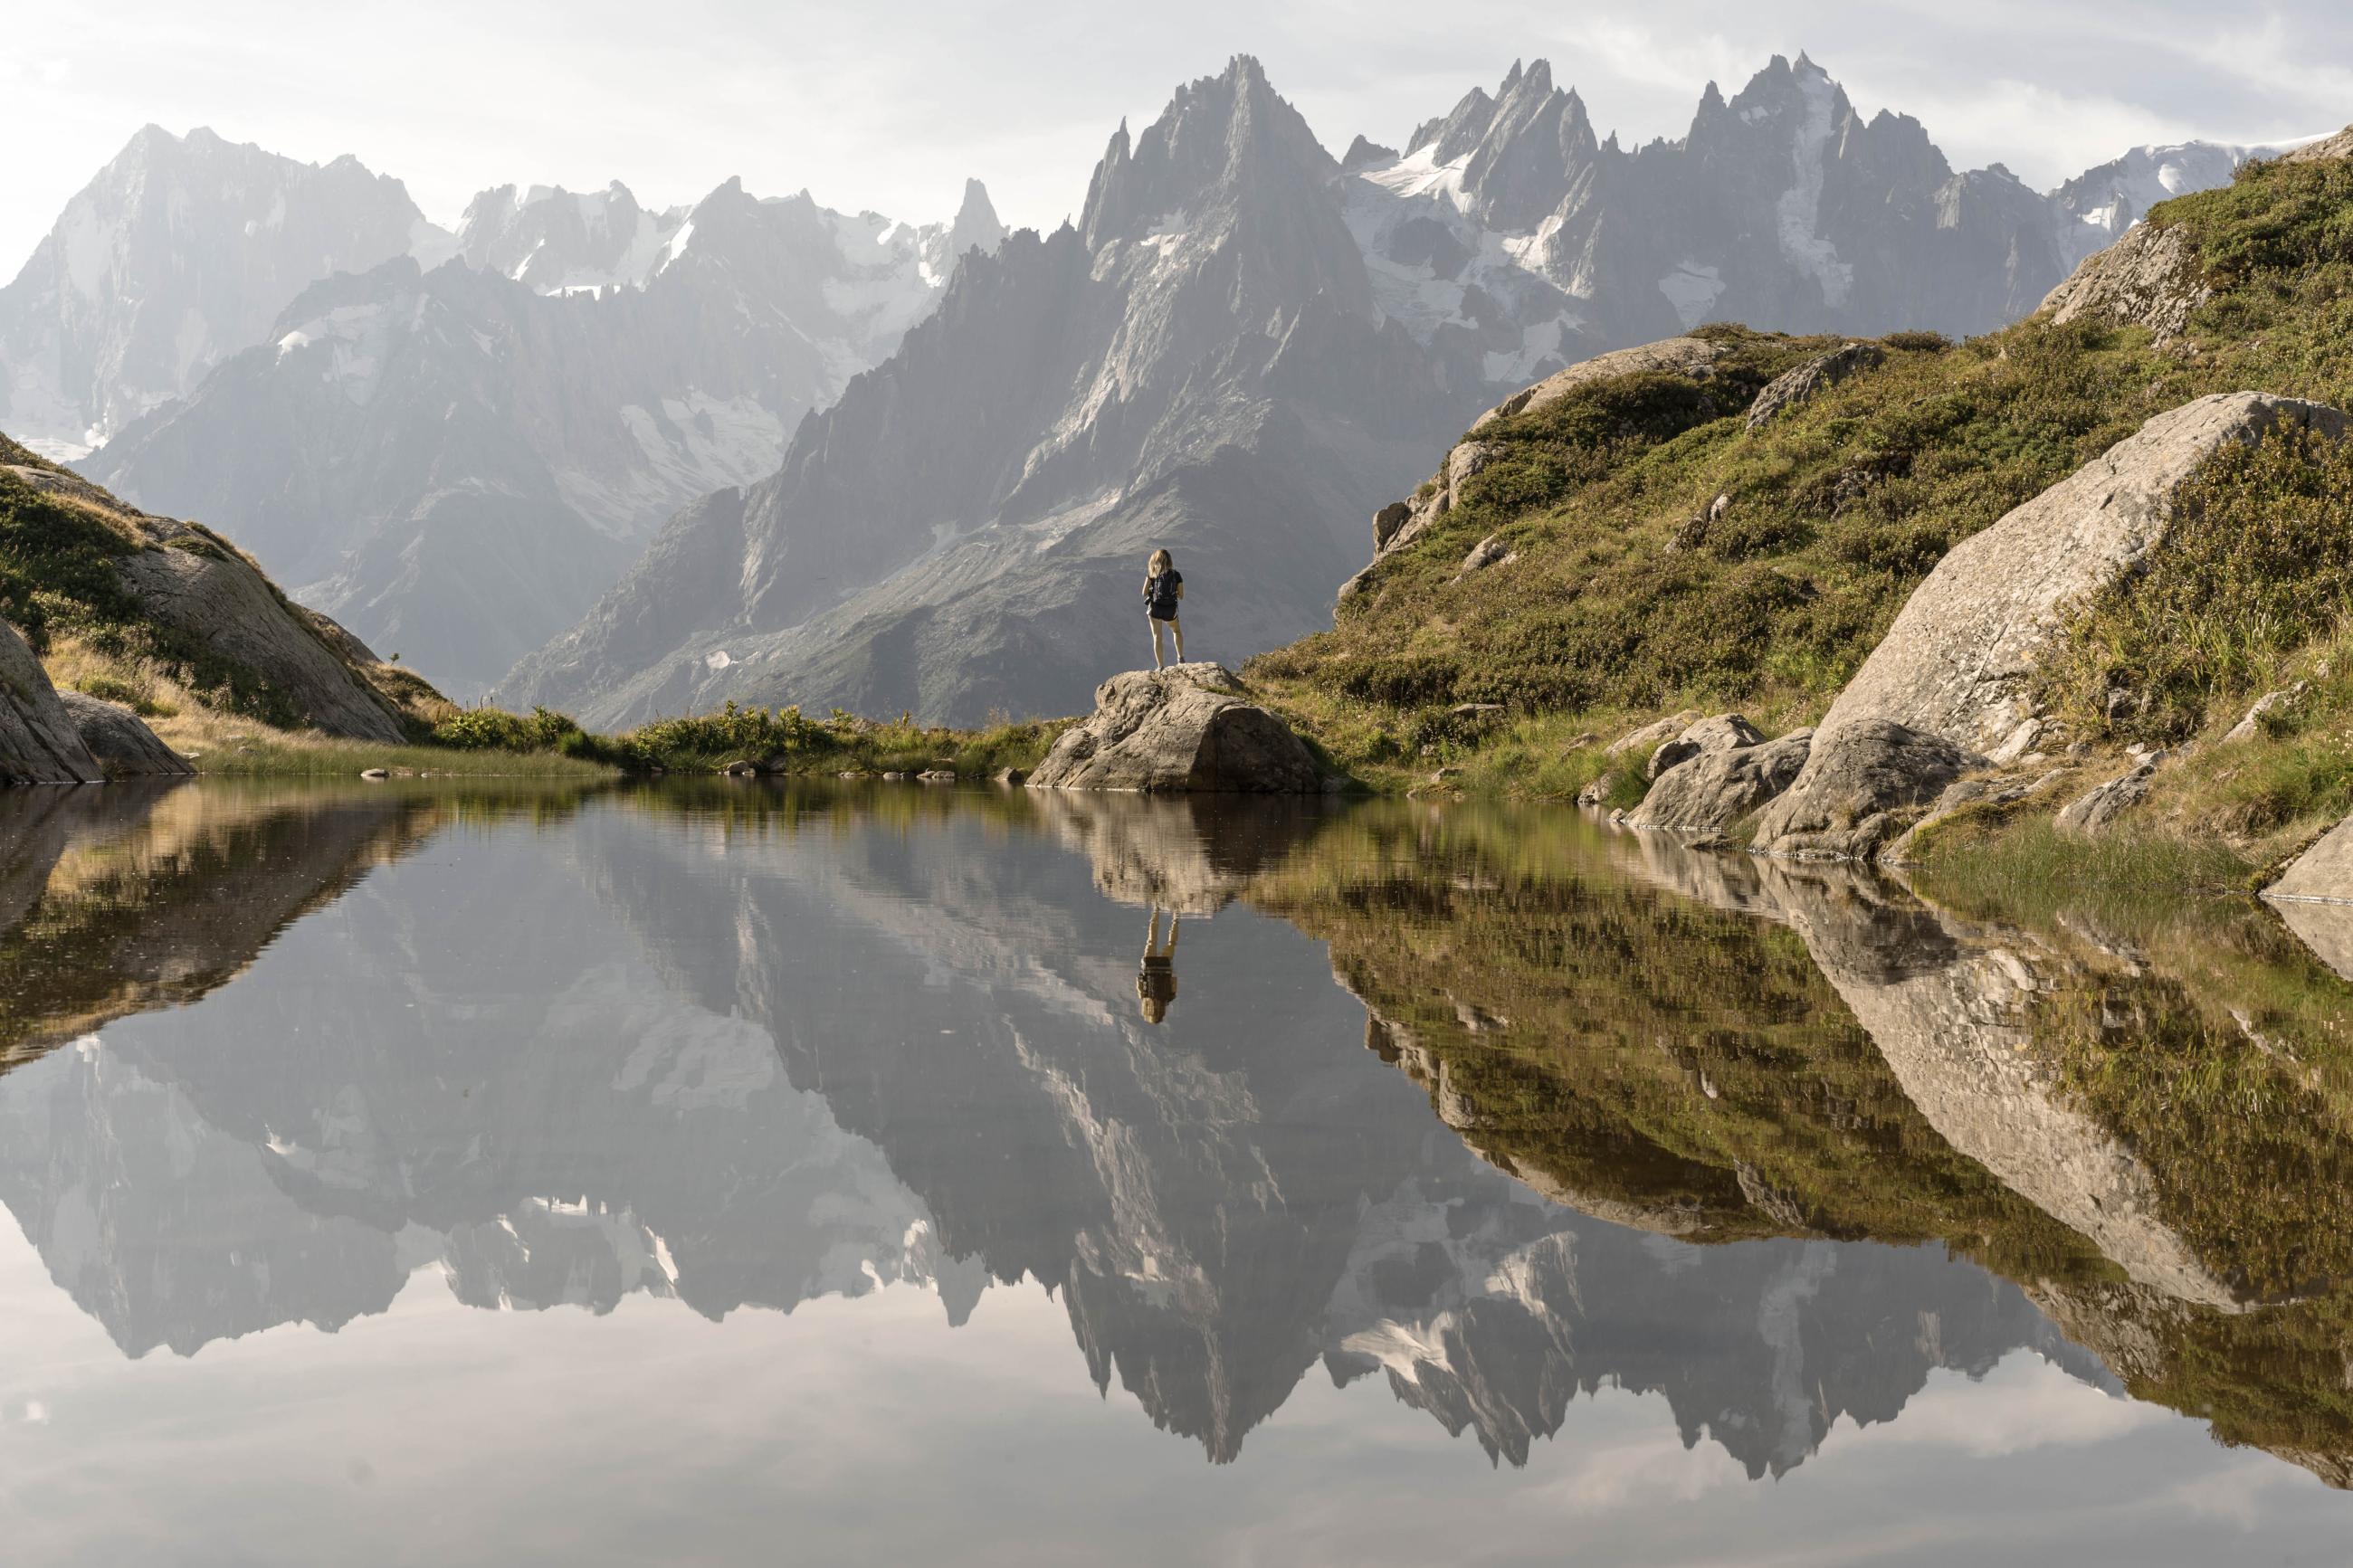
(715, 1047)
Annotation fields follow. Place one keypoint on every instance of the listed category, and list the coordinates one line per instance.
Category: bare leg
(1176, 626)
(1157, 663)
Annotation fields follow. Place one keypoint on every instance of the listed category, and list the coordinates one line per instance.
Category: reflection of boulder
(1193, 855)
(1949, 1009)
(2315, 897)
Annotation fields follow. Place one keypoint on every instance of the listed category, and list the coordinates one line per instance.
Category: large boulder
(2097, 808)
(125, 747)
(2151, 278)
(1692, 357)
(1190, 727)
(1810, 380)
(1725, 732)
(1857, 780)
(37, 741)
(1959, 662)
(1711, 791)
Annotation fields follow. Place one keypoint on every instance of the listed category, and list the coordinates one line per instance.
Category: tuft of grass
(2257, 562)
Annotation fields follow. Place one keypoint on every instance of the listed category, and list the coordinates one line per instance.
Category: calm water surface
(720, 1175)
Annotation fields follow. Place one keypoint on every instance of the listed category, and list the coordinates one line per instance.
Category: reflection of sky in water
(819, 1088)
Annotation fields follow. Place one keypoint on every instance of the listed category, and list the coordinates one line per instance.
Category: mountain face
(1241, 333)
(456, 461)
(1782, 208)
(1199, 364)
(177, 255)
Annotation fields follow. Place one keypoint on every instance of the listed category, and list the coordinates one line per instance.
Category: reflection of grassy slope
(1578, 1022)
(1636, 1046)
(160, 907)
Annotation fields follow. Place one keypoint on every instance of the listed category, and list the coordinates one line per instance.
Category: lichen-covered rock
(1489, 551)
(1190, 727)
(120, 741)
(2093, 811)
(1641, 742)
(1725, 732)
(1845, 802)
(1673, 356)
(1711, 791)
(1810, 380)
(38, 743)
(2269, 705)
(2151, 278)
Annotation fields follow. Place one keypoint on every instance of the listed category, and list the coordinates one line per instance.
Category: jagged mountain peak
(1220, 139)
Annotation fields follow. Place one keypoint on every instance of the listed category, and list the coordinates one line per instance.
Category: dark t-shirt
(1160, 593)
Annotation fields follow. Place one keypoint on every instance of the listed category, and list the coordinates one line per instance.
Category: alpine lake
(723, 1172)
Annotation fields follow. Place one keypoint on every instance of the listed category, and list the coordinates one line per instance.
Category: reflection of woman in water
(1156, 983)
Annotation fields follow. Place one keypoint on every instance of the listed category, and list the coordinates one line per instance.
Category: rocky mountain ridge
(1390, 297)
(456, 459)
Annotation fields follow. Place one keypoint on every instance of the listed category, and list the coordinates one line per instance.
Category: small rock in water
(1011, 778)
(374, 774)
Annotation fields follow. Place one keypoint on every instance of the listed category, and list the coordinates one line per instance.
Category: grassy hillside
(1626, 598)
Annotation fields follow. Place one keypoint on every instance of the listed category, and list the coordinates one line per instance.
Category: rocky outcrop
(1400, 523)
(1673, 357)
(38, 743)
(2151, 278)
(1643, 743)
(2097, 808)
(125, 747)
(1810, 380)
(207, 593)
(1857, 779)
(2328, 147)
(1725, 732)
(1189, 728)
(1957, 666)
(1711, 791)
(1966, 794)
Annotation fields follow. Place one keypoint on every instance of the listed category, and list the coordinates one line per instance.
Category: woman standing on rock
(1164, 590)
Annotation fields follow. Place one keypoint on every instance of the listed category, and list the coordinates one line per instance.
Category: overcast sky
(891, 105)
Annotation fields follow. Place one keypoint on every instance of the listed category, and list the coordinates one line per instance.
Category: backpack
(1160, 593)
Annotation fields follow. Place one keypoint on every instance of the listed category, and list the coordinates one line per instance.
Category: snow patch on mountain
(1800, 207)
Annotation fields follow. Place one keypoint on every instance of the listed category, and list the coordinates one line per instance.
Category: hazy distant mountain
(459, 461)
(176, 255)
(1244, 347)
(1198, 363)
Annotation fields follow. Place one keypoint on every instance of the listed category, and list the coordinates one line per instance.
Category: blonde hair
(1161, 561)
